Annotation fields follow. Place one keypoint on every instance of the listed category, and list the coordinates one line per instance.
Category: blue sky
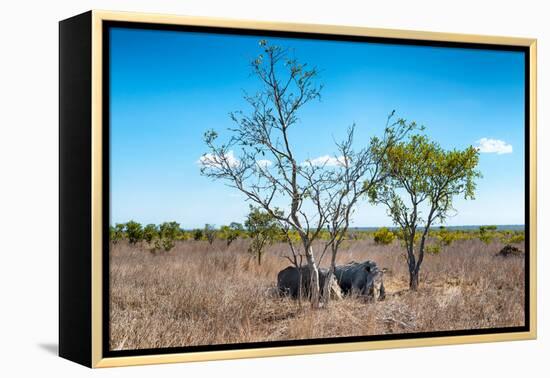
(168, 87)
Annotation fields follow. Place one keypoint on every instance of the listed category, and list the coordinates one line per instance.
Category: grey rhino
(288, 282)
(363, 279)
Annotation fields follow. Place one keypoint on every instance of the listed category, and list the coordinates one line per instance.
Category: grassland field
(202, 294)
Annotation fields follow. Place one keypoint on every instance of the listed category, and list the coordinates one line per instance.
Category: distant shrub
(197, 234)
(150, 232)
(134, 232)
(116, 233)
(383, 236)
(285, 236)
(168, 232)
(209, 232)
(400, 236)
(433, 249)
(185, 235)
(231, 233)
(162, 237)
(324, 235)
(446, 237)
(513, 239)
(487, 233)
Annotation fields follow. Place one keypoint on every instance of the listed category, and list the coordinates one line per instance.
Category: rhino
(288, 282)
(364, 279)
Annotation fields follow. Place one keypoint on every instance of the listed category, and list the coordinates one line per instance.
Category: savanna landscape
(296, 216)
(202, 293)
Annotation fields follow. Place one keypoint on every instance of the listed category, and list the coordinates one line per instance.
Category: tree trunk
(314, 277)
(411, 261)
(330, 275)
(413, 280)
(326, 288)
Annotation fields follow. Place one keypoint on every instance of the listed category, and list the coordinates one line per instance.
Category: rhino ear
(367, 268)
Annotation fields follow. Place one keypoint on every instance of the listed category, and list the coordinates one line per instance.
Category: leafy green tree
(168, 233)
(150, 232)
(232, 232)
(134, 232)
(422, 181)
(116, 233)
(197, 234)
(263, 230)
(162, 237)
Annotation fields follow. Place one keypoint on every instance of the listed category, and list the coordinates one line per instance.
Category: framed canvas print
(235, 189)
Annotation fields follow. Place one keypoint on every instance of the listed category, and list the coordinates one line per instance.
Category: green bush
(116, 233)
(487, 233)
(168, 232)
(434, 249)
(446, 237)
(150, 232)
(197, 234)
(231, 233)
(383, 236)
(134, 232)
(513, 239)
(162, 237)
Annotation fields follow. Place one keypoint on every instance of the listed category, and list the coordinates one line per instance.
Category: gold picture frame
(83, 276)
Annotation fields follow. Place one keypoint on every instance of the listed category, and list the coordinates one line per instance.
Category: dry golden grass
(200, 294)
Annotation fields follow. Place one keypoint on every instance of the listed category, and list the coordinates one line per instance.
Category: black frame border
(106, 27)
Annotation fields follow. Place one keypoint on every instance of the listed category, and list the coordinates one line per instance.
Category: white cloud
(209, 160)
(326, 160)
(264, 163)
(493, 146)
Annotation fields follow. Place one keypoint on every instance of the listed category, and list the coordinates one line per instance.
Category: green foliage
(197, 234)
(289, 235)
(231, 233)
(162, 237)
(324, 235)
(263, 229)
(433, 249)
(515, 238)
(486, 238)
(184, 235)
(383, 236)
(487, 233)
(116, 233)
(150, 232)
(445, 237)
(134, 232)
(421, 181)
(400, 234)
(168, 233)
